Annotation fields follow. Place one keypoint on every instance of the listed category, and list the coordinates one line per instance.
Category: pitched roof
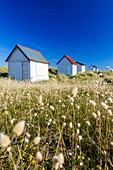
(69, 58)
(93, 66)
(30, 54)
(80, 63)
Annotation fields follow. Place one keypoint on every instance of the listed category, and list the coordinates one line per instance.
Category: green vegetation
(4, 71)
(77, 122)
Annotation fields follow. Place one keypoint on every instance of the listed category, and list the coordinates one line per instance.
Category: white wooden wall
(38, 71)
(81, 68)
(15, 65)
(74, 70)
(20, 68)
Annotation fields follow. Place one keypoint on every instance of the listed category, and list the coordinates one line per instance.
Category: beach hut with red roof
(66, 65)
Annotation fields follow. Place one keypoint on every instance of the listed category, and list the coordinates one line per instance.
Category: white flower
(105, 152)
(63, 105)
(98, 113)
(63, 117)
(71, 98)
(64, 124)
(111, 143)
(19, 127)
(37, 140)
(55, 159)
(60, 101)
(40, 100)
(56, 166)
(35, 114)
(80, 137)
(28, 135)
(50, 120)
(26, 140)
(110, 112)
(70, 125)
(52, 107)
(60, 160)
(8, 149)
(81, 163)
(70, 153)
(74, 91)
(78, 124)
(39, 156)
(6, 112)
(92, 102)
(104, 105)
(12, 120)
(78, 107)
(4, 140)
(88, 123)
(110, 99)
(78, 131)
(94, 115)
(48, 123)
(78, 146)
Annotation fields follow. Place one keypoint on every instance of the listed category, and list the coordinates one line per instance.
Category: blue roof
(80, 63)
(30, 54)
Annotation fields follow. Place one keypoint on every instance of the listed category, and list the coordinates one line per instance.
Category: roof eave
(39, 61)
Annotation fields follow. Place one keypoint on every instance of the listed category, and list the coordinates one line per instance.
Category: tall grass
(78, 127)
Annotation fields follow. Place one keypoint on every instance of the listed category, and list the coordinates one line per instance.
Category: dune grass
(76, 123)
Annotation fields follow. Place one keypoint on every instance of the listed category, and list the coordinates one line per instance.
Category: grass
(80, 127)
(4, 71)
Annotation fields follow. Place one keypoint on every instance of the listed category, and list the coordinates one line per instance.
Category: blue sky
(81, 29)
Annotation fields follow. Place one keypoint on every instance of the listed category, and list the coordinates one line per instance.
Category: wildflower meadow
(58, 124)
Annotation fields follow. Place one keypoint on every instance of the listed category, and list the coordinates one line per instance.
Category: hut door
(24, 70)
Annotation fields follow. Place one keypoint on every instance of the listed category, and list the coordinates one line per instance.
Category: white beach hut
(67, 66)
(81, 67)
(27, 64)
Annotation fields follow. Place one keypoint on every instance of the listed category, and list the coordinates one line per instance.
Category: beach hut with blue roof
(27, 64)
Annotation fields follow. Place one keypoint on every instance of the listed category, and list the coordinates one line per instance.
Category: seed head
(37, 140)
(40, 101)
(70, 125)
(78, 131)
(60, 160)
(4, 140)
(39, 156)
(94, 115)
(104, 105)
(19, 127)
(80, 137)
(52, 107)
(74, 91)
(88, 123)
(92, 103)
(78, 124)
(55, 159)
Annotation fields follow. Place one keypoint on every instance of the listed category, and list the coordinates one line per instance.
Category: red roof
(69, 58)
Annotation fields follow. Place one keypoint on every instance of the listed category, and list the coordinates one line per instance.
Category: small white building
(93, 68)
(67, 66)
(27, 64)
(81, 67)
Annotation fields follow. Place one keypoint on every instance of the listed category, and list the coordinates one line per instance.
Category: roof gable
(30, 54)
(69, 58)
(93, 66)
